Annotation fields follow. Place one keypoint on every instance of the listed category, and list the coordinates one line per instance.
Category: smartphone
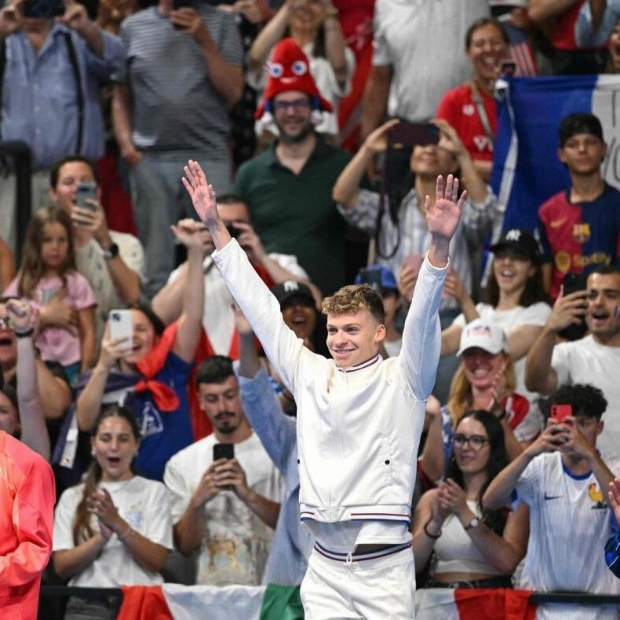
(121, 325)
(559, 413)
(223, 451)
(508, 68)
(409, 134)
(42, 9)
(572, 283)
(86, 190)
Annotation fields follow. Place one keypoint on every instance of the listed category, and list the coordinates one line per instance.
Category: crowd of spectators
(323, 152)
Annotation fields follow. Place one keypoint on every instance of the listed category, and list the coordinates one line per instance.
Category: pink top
(56, 343)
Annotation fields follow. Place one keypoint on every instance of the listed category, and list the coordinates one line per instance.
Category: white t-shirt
(145, 505)
(586, 361)
(536, 314)
(237, 543)
(406, 36)
(569, 526)
(218, 318)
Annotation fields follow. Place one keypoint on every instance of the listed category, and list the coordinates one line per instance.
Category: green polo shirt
(295, 214)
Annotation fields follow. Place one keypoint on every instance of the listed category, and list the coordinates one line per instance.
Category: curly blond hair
(353, 298)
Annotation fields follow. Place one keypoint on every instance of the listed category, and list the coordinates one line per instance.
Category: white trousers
(381, 589)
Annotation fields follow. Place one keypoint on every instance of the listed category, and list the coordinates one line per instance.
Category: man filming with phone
(111, 261)
(593, 359)
(50, 96)
(564, 481)
(225, 488)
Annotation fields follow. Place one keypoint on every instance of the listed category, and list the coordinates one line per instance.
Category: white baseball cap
(484, 335)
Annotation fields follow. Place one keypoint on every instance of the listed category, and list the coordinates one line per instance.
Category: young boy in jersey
(359, 417)
(564, 481)
(580, 227)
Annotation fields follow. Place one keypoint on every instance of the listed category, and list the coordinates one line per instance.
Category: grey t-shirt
(175, 105)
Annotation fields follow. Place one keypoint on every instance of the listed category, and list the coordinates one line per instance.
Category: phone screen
(571, 283)
(223, 451)
(86, 191)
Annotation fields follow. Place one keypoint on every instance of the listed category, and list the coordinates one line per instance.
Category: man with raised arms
(359, 417)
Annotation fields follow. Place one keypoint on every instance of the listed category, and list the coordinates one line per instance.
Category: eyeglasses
(298, 105)
(475, 441)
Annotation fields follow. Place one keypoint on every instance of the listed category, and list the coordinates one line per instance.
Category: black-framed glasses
(298, 105)
(475, 441)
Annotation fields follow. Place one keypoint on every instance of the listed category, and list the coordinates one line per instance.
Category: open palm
(443, 216)
(200, 191)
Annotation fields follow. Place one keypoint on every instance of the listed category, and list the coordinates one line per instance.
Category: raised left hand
(442, 216)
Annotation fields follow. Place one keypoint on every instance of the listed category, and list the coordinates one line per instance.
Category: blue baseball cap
(375, 275)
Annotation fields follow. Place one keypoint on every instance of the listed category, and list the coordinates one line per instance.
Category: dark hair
(480, 23)
(534, 291)
(146, 309)
(215, 369)
(498, 459)
(9, 391)
(579, 122)
(82, 529)
(32, 267)
(69, 159)
(606, 270)
(585, 399)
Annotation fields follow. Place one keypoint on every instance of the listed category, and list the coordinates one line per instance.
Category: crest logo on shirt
(150, 421)
(469, 109)
(581, 232)
(562, 262)
(596, 495)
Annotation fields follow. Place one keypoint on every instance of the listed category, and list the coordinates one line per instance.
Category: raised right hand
(568, 310)
(201, 192)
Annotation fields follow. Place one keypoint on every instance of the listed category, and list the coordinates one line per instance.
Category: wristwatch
(475, 522)
(111, 252)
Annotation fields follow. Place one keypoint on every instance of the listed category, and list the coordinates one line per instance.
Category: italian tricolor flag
(283, 603)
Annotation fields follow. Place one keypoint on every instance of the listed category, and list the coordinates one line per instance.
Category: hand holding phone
(85, 192)
(411, 134)
(121, 325)
(560, 413)
(572, 283)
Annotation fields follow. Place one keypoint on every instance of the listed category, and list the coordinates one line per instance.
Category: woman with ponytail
(115, 528)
